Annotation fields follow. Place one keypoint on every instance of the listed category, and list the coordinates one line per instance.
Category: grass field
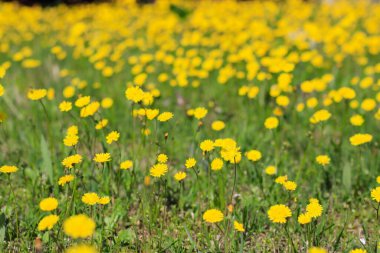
(190, 127)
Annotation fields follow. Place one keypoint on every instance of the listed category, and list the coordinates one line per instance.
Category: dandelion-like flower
(279, 213)
(102, 157)
(79, 226)
(213, 216)
(48, 222)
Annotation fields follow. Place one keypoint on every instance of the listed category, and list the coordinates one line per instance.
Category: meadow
(181, 126)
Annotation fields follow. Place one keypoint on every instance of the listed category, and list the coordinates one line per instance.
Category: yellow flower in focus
(290, 185)
(71, 140)
(82, 101)
(253, 155)
(65, 106)
(158, 170)
(279, 213)
(102, 157)
(79, 226)
(179, 176)
(314, 209)
(48, 204)
(162, 158)
(112, 137)
(320, 116)
(213, 216)
(104, 200)
(375, 194)
(304, 218)
(165, 116)
(270, 170)
(48, 222)
(217, 164)
(271, 123)
(135, 94)
(200, 112)
(36, 94)
(207, 145)
(190, 163)
(65, 179)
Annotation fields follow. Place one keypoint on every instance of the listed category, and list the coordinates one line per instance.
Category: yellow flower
(213, 216)
(317, 250)
(30, 63)
(218, 125)
(71, 140)
(112, 137)
(180, 176)
(239, 226)
(48, 222)
(102, 157)
(162, 158)
(158, 170)
(375, 194)
(82, 101)
(320, 116)
(368, 104)
(1, 90)
(65, 179)
(37, 94)
(217, 164)
(314, 209)
(69, 161)
(165, 116)
(378, 179)
(270, 170)
(200, 112)
(101, 124)
(81, 248)
(279, 213)
(253, 155)
(126, 165)
(151, 113)
(359, 139)
(104, 200)
(107, 103)
(90, 198)
(358, 251)
(8, 169)
(190, 163)
(135, 94)
(271, 123)
(290, 185)
(281, 179)
(89, 109)
(65, 106)
(79, 226)
(304, 218)
(207, 145)
(49, 204)
(357, 120)
(323, 160)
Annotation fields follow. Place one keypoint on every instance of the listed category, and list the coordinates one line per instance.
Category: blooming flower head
(357, 120)
(323, 160)
(253, 155)
(82, 101)
(7, 169)
(239, 226)
(271, 123)
(71, 140)
(79, 226)
(358, 251)
(69, 161)
(217, 164)
(48, 222)
(207, 145)
(314, 209)
(37, 94)
(104, 200)
(200, 113)
(165, 116)
(112, 137)
(134, 94)
(65, 106)
(375, 194)
(213, 216)
(279, 213)
(65, 179)
(89, 109)
(317, 250)
(179, 176)
(359, 139)
(218, 125)
(90, 198)
(49, 204)
(290, 185)
(1, 90)
(151, 113)
(101, 124)
(81, 248)
(190, 163)
(158, 170)
(162, 158)
(270, 170)
(320, 116)
(102, 157)
(304, 218)
(281, 179)
(126, 165)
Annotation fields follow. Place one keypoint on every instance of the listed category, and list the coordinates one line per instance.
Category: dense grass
(212, 53)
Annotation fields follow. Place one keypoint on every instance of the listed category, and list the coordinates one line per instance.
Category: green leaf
(46, 159)
(126, 236)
